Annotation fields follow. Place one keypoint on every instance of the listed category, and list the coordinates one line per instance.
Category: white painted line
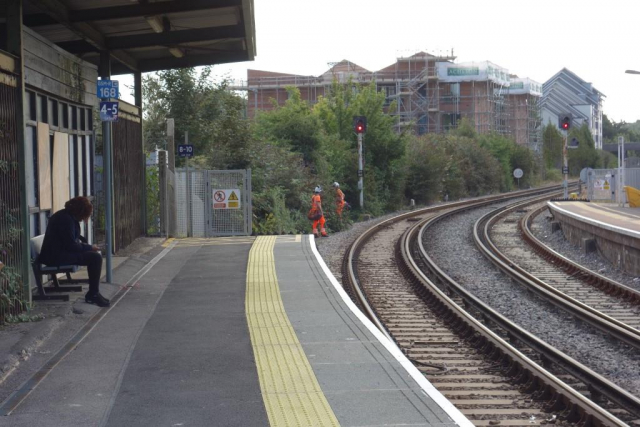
(417, 376)
(606, 226)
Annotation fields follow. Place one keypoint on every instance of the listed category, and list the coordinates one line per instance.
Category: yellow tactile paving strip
(210, 241)
(291, 393)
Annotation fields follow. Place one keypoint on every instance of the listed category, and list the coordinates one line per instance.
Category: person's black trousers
(93, 262)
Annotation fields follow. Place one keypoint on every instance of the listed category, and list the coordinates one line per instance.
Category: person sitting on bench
(64, 245)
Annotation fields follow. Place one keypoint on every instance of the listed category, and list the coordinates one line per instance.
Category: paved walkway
(233, 333)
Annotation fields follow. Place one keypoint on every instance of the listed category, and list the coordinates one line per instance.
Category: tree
(586, 154)
(552, 143)
(292, 125)
(211, 114)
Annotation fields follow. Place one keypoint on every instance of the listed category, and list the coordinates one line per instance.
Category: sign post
(107, 89)
(185, 150)
(517, 174)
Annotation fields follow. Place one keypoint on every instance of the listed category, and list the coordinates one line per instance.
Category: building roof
(565, 91)
(146, 35)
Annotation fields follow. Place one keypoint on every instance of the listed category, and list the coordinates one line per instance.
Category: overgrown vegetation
(296, 146)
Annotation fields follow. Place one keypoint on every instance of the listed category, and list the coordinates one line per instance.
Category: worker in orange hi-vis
(339, 199)
(316, 214)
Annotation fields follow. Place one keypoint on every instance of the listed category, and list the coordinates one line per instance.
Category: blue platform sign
(185, 150)
(108, 111)
(108, 89)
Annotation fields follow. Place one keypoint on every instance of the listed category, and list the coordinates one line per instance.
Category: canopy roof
(148, 35)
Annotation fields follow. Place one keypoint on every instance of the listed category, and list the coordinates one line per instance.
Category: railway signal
(564, 121)
(360, 124)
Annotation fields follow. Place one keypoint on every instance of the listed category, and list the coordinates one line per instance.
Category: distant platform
(616, 230)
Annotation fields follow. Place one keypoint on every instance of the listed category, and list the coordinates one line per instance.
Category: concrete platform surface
(231, 332)
(620, 219)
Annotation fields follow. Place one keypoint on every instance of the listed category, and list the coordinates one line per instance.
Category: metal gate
(602, 184)
(213, 203)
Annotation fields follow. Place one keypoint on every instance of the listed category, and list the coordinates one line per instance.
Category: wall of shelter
(128, 176)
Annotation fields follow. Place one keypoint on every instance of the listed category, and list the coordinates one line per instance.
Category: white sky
(597, 40)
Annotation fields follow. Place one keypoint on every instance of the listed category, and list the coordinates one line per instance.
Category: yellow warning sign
(606, 184)
(224, 198)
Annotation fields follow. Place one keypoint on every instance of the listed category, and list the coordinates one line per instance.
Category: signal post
(360, 127)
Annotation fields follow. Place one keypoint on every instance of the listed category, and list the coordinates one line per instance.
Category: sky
(531, 38)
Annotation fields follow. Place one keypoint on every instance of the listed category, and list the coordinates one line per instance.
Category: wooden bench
(40, 269)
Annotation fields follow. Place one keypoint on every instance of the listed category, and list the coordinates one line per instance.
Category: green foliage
(296, 146)
(552, 143)
(585, 155)
(153, 200)
(292, 126)
(211, 114)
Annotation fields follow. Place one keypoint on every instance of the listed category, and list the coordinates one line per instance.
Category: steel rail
(350, 276)
(597, 280)
(597, 319)
(579, 408)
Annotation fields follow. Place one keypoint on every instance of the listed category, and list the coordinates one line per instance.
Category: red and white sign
(226, 198)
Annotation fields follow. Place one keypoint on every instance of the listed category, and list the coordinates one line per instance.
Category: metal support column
(15, 47)
(105, 73)
(137, 89)
(565, 167)
(188, 191)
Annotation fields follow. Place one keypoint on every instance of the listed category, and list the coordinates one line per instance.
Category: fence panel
(128, 182)
(12, 284)
(207, 221)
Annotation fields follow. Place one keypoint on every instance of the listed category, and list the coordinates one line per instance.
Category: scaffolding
(432, 94)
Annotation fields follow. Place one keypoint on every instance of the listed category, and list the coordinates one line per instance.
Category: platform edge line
(610, 227)
(428, 388)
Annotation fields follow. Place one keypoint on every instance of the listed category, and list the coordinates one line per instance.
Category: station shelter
(52, 52)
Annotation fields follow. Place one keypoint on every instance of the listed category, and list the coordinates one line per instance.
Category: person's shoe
(97, 299)
(316, 235)
(325, 235)
(100, 295)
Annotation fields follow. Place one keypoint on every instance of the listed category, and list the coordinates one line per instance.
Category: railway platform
(230, 332)
(613, 231)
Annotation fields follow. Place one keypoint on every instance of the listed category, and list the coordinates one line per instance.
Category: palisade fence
(13, 293)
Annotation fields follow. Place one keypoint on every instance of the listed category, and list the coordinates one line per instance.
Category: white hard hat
(335, 184)
(318, 189)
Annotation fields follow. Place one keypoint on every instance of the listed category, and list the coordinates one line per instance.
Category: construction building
(565, 92)
(431, 94)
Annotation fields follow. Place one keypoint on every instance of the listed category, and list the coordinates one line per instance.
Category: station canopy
(148, 35)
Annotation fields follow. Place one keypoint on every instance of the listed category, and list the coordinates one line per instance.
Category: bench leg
(42, 295)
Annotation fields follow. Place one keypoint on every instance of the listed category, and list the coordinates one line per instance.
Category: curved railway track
(488, 379)
(603, 303)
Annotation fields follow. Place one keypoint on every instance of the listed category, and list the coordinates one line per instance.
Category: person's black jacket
(62, 243)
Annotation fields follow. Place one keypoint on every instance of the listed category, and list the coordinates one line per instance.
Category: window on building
(65, 115)
(44, 109)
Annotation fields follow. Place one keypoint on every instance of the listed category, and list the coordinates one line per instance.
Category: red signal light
(359, 128)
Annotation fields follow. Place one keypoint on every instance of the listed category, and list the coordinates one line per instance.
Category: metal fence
(195, 193)
(13, 293)
(602, 184)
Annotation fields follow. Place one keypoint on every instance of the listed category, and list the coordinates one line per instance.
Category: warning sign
(606, 184)
(226, 198)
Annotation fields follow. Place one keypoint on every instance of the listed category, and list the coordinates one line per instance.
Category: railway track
(488, 379)
(603, 303)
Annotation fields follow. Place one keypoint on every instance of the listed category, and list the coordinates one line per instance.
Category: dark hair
(79, 207)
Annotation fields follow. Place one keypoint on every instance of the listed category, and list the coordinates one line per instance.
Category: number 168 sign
(108, 89)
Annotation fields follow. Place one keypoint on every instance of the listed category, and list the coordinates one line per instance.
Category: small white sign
(517, 173)
(226, 198)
